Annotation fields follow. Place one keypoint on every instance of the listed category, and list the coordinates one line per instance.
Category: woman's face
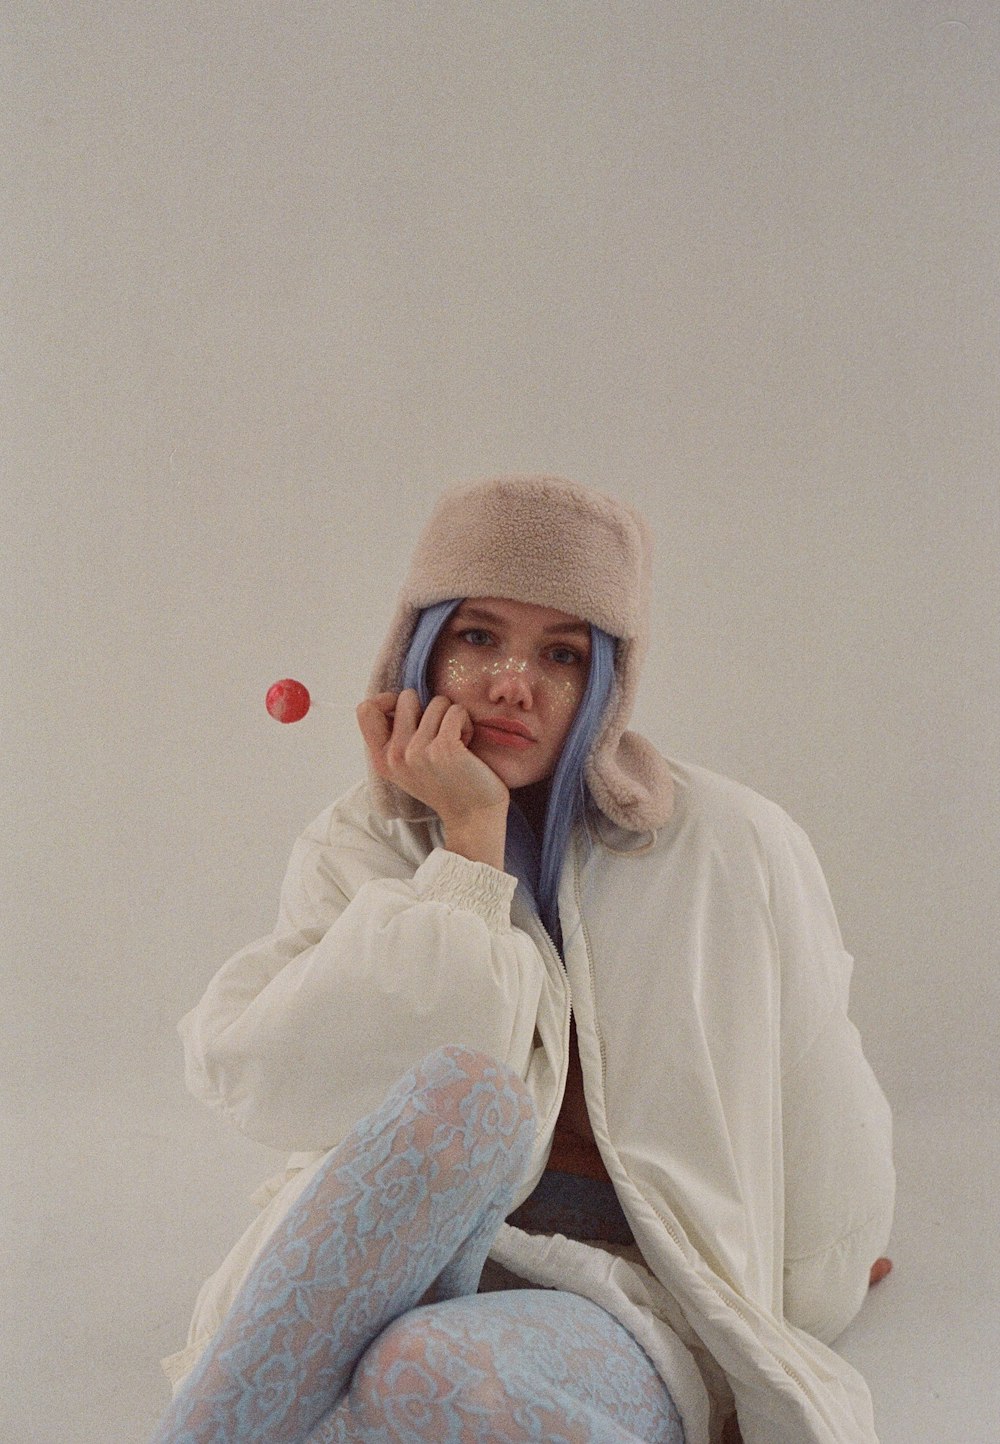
(519, 664)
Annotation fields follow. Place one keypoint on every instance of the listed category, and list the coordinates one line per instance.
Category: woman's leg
(413, 1195)
(538, 1365)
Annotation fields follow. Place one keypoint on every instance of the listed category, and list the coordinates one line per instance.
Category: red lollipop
(287, 700)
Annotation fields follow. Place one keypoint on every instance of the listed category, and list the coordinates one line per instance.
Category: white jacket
(745, 1133)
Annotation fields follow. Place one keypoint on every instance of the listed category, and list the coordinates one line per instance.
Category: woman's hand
(428, 756)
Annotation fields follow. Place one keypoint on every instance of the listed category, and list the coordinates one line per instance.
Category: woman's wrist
(481, 837)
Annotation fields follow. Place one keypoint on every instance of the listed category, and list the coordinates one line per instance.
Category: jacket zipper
(534, 924)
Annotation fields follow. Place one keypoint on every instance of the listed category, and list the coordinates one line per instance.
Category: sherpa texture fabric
(556, 543)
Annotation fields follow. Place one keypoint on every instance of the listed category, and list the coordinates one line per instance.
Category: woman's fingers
(385, 699)
(391, 720)
(430, 723)
(375, 721)
(446, 720)
(426, 753)
(456, 725)
(404, 726)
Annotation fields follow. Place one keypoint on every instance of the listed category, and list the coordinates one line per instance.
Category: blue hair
(538, 869)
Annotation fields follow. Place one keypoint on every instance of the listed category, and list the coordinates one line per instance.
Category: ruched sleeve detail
(471, 886)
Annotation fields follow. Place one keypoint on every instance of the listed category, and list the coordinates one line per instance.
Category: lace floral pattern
(541, 1366)
(405, 1209)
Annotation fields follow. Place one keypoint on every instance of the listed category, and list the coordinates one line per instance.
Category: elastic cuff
(471, 886)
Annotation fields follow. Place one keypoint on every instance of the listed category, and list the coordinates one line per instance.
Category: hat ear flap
(628, 778)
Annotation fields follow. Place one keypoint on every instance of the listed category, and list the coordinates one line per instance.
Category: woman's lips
(502, 738)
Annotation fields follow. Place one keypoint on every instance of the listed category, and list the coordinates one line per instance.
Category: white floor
(127, 1194)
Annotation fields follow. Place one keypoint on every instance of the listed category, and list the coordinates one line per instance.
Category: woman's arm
(836, 1124)
(839, 1183)
(378, 957)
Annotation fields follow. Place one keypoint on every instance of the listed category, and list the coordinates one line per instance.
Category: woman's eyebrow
(571, 629)
(480, 614)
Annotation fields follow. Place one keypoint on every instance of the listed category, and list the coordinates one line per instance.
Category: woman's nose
(512, 682)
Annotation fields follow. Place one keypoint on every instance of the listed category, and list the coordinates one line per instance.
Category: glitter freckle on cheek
(457, 673)
(564, 694)
(566, 697)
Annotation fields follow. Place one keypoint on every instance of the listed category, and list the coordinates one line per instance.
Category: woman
(533, 971)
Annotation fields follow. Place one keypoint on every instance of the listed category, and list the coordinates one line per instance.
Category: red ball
(287, 700)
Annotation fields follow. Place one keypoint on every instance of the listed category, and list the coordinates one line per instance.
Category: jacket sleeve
(377, 959)
(839, 1180)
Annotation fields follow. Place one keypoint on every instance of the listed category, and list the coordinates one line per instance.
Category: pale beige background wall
(275, 273)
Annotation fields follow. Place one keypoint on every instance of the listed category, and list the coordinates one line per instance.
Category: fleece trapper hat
(555, 543)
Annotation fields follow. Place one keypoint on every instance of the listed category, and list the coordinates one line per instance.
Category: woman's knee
(478, 1093)
(456, 1063)
(486, 1367)
(399, 1347)
(406, 1374)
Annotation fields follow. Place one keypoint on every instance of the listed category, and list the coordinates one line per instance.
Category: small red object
(287, 700)
(880, 1268)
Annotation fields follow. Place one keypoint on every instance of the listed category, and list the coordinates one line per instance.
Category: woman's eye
(471, 633)
(568, 655)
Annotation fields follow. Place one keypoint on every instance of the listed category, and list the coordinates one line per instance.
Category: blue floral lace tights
(360, 1320)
